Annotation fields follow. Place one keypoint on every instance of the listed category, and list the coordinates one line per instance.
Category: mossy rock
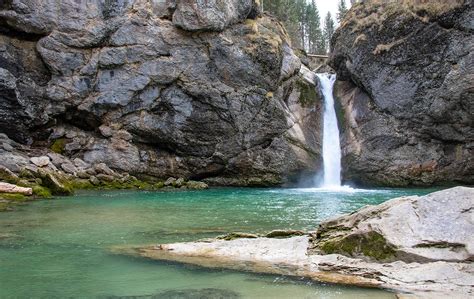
(82, 184)
(59, 146)
(7, 176)
(5, 206)
(237, 235)
(42, 192)
(56, 185)
(372, 245)
(196, 185)
(308, 94)
(14, 197)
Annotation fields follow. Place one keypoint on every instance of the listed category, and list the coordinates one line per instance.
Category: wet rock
(10, 188)
(237, 235)
(284, 233)
(40, 161)
(196, 185)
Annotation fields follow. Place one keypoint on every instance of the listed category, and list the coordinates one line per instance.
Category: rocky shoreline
(423, 246)
(28, 174)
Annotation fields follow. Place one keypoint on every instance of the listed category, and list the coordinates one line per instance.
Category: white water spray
(331, 143)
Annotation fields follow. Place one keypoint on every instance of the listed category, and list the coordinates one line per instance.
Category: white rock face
(435, 227)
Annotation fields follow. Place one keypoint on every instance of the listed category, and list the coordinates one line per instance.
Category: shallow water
(59, 248)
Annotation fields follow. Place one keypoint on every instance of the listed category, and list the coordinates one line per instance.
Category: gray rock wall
(407, 94)
(161, 88)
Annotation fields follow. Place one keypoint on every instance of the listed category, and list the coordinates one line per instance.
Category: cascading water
(331, 143)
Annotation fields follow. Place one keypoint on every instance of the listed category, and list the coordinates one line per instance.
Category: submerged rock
(420, 245)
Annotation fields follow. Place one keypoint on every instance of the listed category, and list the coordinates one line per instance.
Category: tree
(342, 10)
(315, 34)
(302, 21)
(328, 30)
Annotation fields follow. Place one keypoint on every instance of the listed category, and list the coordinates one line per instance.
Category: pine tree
(342, 10)
(328, 30)
(315, 34)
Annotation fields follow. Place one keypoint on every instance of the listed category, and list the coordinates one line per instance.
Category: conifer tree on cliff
(316, 43)
(342, 10)
(329, 28)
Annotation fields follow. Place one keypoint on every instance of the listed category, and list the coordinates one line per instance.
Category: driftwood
(10, 188)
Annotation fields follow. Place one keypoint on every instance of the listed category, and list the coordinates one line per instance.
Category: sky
(328, 5)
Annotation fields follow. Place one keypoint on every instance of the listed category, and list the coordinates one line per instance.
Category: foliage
(329, 28)
(302, 21)
(342, 10)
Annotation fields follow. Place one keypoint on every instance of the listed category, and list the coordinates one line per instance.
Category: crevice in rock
(9, 31)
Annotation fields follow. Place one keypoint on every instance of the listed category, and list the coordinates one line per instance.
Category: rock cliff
(200, 90)
(406, 91)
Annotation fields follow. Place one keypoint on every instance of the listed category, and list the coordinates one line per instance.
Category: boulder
(54, 183)
(170, 182)
(435, 227)
(80, 163)
(69, 168)
(40, 161)
(196, 185)
(10, 188)
(7, 175)
(104, 169)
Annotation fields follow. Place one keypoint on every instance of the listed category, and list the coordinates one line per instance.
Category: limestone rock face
(435, 227)
(192, 89)
(212, 15)
(406, 91)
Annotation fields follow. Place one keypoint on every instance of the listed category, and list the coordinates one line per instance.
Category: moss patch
(13, 197)
(308, 94)
(43, 192)
(58, 146)
(371, 245)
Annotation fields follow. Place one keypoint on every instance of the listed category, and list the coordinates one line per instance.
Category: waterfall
(331, 143)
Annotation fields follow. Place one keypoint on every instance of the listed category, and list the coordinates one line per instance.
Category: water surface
(60, 248)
